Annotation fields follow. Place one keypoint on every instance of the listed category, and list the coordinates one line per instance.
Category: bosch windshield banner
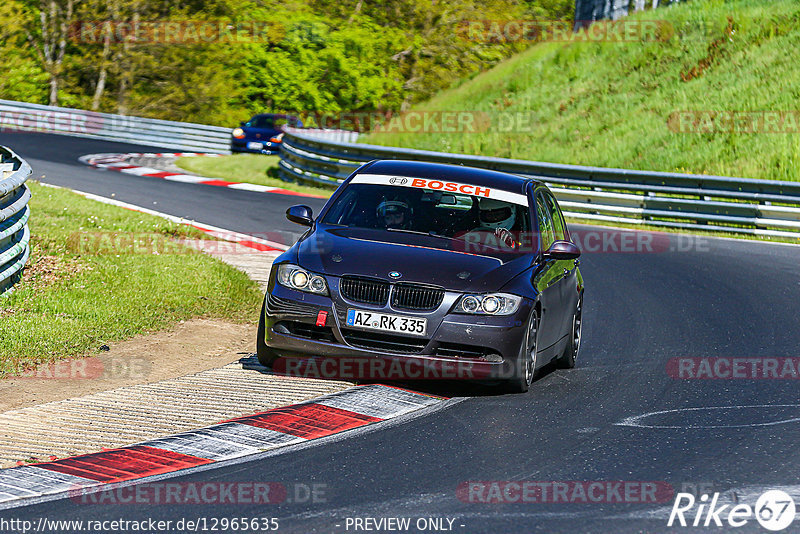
(442, 185)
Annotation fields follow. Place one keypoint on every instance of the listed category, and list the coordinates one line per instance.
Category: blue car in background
(262, 134)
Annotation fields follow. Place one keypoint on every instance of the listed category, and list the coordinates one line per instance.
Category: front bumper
(456, 346)
(241, 145)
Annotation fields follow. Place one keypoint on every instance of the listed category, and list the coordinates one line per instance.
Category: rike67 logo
(774, 510)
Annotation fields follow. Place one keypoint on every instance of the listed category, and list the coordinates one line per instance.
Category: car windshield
(431, 212)
(273, 122)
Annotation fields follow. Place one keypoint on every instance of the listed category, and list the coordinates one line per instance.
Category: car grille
(364, 290)
(406, 296)
(384, 342)
(416, 297)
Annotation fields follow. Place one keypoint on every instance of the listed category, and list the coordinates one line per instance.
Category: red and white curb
(120, 163)
(235, 439)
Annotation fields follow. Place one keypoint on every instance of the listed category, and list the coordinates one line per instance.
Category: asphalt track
(721, 298)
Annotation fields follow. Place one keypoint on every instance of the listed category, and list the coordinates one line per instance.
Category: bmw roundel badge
(395, 274)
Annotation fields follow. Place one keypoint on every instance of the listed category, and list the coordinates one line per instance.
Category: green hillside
(619, 104)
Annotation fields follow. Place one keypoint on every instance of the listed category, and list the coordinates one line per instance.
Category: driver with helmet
(497, 217)
(494, 214)
(394, 214)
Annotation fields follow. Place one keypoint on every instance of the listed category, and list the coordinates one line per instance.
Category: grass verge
(620, 104)
(100, 273)
(249, 168)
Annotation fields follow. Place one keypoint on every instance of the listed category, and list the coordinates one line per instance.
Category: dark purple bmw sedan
(438, 264)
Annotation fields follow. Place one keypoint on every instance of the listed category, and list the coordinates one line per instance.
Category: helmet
(496, 214)
(396, 213)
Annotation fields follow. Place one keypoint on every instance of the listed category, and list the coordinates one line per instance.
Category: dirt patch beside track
(190, 347)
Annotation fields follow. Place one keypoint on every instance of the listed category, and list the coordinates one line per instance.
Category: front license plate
(386, 322)
(252, 145)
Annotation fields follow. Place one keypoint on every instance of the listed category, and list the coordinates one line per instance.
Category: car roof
(274, 115)
(457, 173)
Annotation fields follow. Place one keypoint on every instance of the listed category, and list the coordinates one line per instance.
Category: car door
(547, 277)
(569, 268)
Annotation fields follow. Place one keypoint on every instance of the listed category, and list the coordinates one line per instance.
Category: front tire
(525, 366)
(266, 356)
(570, 356)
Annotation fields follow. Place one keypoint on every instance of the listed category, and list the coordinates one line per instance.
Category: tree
(26, 80)
(48, 34)
(319, 56)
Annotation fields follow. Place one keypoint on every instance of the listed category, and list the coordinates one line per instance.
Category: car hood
(353, 251)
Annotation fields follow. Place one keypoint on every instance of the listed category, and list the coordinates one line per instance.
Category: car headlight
(295, 277)
(238, 133)
(488, 304)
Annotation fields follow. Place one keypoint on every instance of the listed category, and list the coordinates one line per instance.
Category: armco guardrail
(688, 201)
(336, 136)
(184, 136)
(14, 212)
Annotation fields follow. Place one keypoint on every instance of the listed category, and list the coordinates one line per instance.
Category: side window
(545, 222)
(560, 215)
(559, 226)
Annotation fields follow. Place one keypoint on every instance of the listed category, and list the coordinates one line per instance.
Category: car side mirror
(562, 250)
(301, 215)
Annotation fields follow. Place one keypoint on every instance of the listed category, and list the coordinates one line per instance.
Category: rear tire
(525, 367)
(570, 356)
(266, 356)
